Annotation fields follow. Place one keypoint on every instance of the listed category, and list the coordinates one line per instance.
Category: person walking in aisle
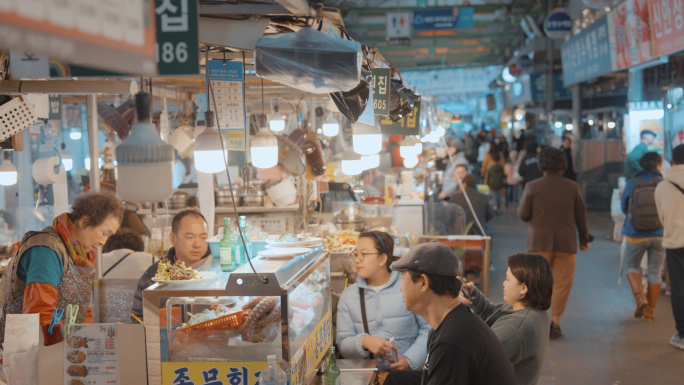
(567, 151)
(632, 161)
(529, 169)
(480, 203)
(489, 161)
(554, 207)
(510, 170)
(495, 181)
(644, 233)
(669, 199)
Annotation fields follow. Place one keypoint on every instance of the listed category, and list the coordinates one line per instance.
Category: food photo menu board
(91, 355)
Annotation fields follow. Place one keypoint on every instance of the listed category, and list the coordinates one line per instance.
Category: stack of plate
(288, 250)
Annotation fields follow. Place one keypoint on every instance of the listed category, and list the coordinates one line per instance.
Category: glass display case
(223, 330)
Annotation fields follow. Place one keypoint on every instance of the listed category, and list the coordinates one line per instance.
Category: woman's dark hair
(381, 239)
(97, 207)
(534, 271)
(531, 146)
(124, 239)
(650, 161)
(444, 285)
(494, 148)
(552, 160)
(496, 157)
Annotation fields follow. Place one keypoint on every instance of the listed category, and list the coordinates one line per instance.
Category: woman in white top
(124, 257)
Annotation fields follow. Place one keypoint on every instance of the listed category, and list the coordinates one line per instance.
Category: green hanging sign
(408, 125)
(381, 91)
(55, 103)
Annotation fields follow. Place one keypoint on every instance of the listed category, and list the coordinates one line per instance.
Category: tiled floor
(602, 343)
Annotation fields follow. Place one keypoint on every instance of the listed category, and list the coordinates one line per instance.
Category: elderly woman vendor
(54, 267)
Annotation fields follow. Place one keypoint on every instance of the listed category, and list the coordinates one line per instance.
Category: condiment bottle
(248, 241)
(228, 251)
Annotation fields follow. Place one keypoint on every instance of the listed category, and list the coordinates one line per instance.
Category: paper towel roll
(44, 171)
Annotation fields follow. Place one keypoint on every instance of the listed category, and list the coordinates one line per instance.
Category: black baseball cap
(432, 258)
(647, 132)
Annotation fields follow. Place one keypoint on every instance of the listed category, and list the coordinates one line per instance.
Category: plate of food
(179, 274)
(284, 253)
(340, 243)
(288, 241)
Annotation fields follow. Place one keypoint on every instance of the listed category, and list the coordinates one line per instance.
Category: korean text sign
(667, 23)
(177, 36)
(311, 352)
(588, 54)
(629, 29)
(443, 19)
(381, 90)
(211, 373)
(408, 125)
(227, 87)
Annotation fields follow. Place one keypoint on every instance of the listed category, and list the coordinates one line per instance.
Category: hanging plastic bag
(309, 60)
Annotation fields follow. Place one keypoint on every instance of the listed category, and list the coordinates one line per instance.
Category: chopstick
(138, 319)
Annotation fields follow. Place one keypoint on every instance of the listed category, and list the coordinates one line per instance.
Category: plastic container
(272, 374)
(207, 328)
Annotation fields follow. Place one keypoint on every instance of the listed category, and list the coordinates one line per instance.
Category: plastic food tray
(208, 328)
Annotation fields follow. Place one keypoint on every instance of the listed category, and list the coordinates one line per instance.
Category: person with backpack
(644, 233)
(669, 200)
(495, 180)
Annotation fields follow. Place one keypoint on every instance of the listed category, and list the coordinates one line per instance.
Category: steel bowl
(350, 214)
(254, 201)
(179, 201)
(223, 198)
(350, 226)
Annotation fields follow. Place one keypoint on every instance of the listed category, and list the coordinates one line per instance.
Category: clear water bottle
(272, 374)
(229, 255)
(248, 242)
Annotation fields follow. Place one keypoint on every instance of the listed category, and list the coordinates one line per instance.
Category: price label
(381, 91)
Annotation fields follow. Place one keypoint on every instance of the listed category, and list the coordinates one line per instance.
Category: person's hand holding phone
(403, 364)
(466, 295)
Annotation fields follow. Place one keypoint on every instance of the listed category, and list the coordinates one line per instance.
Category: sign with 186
(177, 36)
(381, 91)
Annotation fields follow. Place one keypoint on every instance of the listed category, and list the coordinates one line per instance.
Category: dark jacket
(569, 170)
(627, 229)
(495, 177)
(481, 206)
(529, 169)
(146, 281)
(555, 208)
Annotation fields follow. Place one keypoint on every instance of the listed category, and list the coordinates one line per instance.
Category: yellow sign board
(311, 352)
(215, 373)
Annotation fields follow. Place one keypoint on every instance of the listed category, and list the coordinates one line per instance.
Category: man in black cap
(632, 161)
(462, 349)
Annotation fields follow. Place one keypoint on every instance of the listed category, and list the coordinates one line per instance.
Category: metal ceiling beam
(478, 9)
(401, 49)
(227, 9)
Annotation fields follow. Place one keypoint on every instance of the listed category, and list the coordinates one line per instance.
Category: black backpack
(643, 214)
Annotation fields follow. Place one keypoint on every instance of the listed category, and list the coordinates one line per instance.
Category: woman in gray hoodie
(521, 322)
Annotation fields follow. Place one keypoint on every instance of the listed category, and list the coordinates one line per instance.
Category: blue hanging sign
(589, 54)
(557, 24)
(443, 19)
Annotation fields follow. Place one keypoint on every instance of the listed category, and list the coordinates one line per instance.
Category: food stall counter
(228, 325)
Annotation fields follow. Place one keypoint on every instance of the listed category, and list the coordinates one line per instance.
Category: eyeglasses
(359, 256)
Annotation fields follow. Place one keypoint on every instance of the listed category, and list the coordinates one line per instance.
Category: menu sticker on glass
(381, 90)
(227, 85)
(91, 355)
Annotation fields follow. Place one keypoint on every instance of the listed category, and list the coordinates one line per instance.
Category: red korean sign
(629, 26)
(667, 22)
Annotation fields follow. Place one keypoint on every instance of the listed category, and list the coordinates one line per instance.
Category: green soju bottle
(332, 372)
(228, 253)
(248, 241)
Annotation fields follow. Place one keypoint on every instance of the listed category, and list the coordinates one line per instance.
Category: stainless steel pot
(350, 214)
(179, 201)
(223, 198)
(350, 226)
(255, 201)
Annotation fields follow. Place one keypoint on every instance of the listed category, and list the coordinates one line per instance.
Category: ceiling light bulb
(611, 124)
(371, 161)
(519, 116)
(367, 138)
(411, 162)
(75, 135)
(331, 129)
(440, 131)
(558, 124)
(407, 147)
(8, 173)
(264, 149)
(351, 163)
(591, 122)
(277, 125)
(568, 126)
(144, 159)
(208, 152)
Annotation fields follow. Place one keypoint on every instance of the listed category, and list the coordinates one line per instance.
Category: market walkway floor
(602, 343)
